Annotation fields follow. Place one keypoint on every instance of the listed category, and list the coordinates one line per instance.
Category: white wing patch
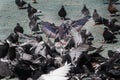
(58, 74)
(40, 49)
(76, 36)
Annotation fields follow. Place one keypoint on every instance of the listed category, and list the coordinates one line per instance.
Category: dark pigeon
(20, 4)
(4, 49)
(31, 11)
(62, 12)
(96, 17)
(85, 11)
(109, 36)
(18, 28)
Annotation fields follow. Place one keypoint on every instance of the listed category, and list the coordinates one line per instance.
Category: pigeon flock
(64, 52)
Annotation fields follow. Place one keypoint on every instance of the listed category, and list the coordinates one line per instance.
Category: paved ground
(10, 15)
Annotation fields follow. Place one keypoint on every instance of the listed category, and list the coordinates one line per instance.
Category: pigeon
(33, 24)
(109, 36)
(96, 17)
(31, 11)
(18, 28)
(20, 4)
(4, 49)
(111, 8)
(62, 12)
(85, 11)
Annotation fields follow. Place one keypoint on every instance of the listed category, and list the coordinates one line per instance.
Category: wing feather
(62, 71)
(58, 74)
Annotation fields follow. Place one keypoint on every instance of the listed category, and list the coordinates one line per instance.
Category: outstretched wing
(49, 29)
(62, 71)
(58, 74)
